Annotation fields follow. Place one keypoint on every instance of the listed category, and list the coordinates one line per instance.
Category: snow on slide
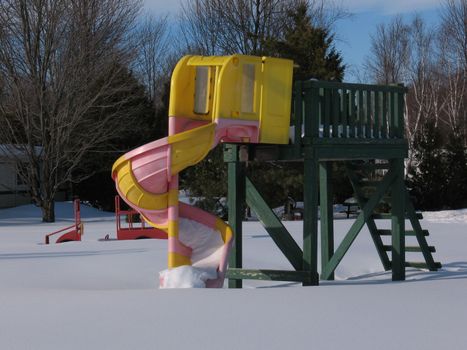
(207, 246)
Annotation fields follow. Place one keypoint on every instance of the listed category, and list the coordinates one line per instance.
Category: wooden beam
(398, 220)
(338, 85)
(274, 226)
(269, 275)
(335, 110)
(352, 114)
(298, 111)
(355, 229)
(376, 119)
(368, 125)
(326, 214)
(327, 149)
(378, 242)
(423, 265)
(407, 232)
(346, 149)
(236, 204)
(360, 114)
(326, 111)
(310, 219)
(414, 249)
(312, 113)
(384, 127)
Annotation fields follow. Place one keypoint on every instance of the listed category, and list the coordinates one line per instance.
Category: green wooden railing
(333, 110)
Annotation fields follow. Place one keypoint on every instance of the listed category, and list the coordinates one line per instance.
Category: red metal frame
(73, 232)
(134, 230)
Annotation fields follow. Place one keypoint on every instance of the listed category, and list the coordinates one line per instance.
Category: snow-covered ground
(104, 294)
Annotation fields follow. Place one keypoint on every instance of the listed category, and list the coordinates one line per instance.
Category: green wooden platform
(360, 125)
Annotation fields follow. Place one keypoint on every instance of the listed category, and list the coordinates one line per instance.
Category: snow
(447, 216)
(104, 294)
(207, 246)
(186, 277)
(206, 243)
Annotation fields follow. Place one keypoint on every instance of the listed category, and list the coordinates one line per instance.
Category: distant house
(13, 191)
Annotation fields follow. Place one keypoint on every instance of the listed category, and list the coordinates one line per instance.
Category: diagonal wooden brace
(370, 222)
(274, 226)
(355, 229)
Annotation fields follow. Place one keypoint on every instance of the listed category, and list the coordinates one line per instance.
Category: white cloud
(391, 6)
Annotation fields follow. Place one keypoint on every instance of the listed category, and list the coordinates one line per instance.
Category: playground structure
(245, 102)
(361, 126)
(213, 99)
(129, 228)
(72, 232)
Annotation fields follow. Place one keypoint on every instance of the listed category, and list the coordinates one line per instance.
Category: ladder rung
(432, 249)
(407, 233)
(421, 265)
(388, 216)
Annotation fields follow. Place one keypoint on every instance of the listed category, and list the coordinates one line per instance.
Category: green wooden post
(376, 131)
(298, 116)
(398, 220)
(236, 202)
(400, 106)
(310, 219)
(326, 112)
(392, 115)
(384, 130)
(352, 114)
(345, 112)
(360, 114)
(335, 110)
(312, 112)
(368, 115)
(326, 215)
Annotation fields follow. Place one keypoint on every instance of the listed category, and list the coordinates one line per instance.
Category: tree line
(82, 82)
(432, 62)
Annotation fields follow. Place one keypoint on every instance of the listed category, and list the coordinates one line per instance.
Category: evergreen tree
(207, 182)
(277, 181)
(456, 172)
(425, 180)
(310, 47)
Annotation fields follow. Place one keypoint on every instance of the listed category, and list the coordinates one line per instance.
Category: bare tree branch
(154, 50)
(390, 52)
(61, 64)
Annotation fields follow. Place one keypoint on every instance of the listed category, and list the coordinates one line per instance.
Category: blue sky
(353, 33)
